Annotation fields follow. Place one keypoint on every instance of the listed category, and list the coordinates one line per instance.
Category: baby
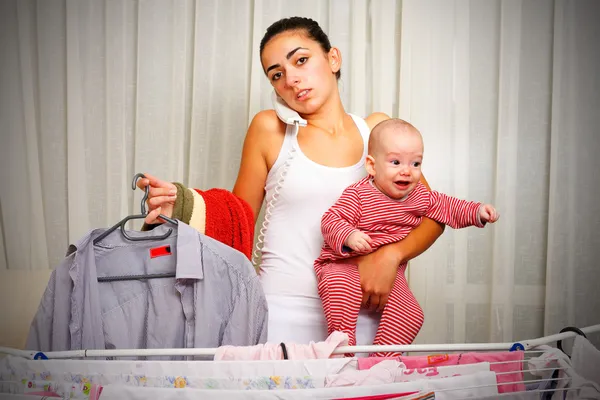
(380, 209)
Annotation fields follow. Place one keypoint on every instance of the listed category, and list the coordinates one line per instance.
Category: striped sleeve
(454, 212)
(183, 203)
(341, 220)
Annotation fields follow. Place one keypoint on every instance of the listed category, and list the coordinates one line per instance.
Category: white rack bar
(430, 348)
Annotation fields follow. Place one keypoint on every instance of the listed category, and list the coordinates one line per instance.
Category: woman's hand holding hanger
(161, 198)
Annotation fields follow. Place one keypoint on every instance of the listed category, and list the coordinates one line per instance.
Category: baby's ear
(370, 165)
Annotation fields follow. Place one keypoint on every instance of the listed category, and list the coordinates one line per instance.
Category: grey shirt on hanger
(215, 299)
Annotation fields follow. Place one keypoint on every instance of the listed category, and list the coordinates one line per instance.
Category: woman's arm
(252, 175)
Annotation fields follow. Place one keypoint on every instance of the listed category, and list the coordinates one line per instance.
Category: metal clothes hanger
(121, 224)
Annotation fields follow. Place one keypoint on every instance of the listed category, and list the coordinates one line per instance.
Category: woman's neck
(330, 117)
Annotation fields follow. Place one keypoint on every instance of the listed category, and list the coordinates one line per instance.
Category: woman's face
(301, 73)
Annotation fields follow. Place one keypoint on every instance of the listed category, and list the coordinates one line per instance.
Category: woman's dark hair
(309, 26)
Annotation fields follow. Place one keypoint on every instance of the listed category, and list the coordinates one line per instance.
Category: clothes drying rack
(555, 378)
(420, 348)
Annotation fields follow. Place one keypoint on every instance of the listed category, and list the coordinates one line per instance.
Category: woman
(308, 171)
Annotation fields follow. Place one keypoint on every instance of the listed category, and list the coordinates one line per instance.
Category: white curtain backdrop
(506, 94)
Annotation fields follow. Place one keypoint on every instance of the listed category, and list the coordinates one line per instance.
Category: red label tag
(160, 251)
(437, 358)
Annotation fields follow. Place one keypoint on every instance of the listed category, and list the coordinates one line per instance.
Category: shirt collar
(188, 247)
(189, 253)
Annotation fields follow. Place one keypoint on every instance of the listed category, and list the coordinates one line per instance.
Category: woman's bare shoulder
(266, 134)
(266, 122)
(376, 118)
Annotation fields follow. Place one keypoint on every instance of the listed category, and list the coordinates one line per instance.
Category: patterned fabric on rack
(476, 386)
(13, 368)
(45, 381)
(74, 391)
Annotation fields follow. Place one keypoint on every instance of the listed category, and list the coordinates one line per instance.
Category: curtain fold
(497, 90)
(505, 92)
(572, 273)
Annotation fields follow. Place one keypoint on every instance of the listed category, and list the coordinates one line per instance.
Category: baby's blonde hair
(395, 124)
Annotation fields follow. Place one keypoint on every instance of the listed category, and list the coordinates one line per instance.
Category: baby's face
(398, 163)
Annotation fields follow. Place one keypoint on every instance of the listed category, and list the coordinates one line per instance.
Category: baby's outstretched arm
(487, 213)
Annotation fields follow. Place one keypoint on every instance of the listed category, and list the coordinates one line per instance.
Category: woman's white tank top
(300, 191)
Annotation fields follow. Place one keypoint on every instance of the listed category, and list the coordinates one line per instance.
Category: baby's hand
(359, 241)
(487, 213)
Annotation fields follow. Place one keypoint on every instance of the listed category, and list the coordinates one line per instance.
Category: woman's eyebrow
(288, 56)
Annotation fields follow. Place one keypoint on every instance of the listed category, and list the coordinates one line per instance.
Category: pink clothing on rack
(398, 396)
(390, 371)
(274, 351)
(508, 365)
(381, 374)
(368, 362)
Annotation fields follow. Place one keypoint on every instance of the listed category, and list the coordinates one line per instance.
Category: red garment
(363, 207)
(229, 219)
(246, 228)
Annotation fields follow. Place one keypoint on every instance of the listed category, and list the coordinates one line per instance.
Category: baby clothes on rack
(507, 364)
(479, 385)
(306, 377)
(215, 298)
(332, 378)
(513, 396)
(64, 390)
(267, 375)
(396, 396)
(291, 351)
(390, 371)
